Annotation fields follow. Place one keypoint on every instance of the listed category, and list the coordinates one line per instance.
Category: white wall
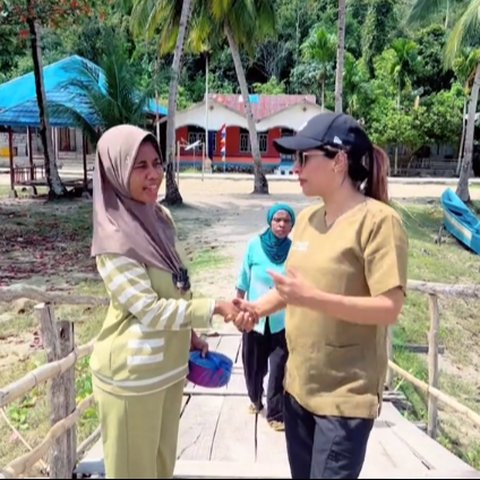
(292, 118)
(217, 116)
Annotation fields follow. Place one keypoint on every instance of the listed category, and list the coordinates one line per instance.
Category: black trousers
(324, 447)
(257, 350)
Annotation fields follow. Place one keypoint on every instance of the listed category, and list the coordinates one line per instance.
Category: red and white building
(274, 116)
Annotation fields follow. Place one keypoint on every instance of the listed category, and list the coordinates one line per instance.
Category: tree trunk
(55, 185)
(260, 181)
(465, 171)
(340, 57)
(462, 138)
(172, 196)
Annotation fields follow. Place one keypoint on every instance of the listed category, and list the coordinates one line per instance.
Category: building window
(262, 142)
(245, 142)
(196, 134)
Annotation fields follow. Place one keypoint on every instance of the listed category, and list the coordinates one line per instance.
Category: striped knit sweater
(144, 342)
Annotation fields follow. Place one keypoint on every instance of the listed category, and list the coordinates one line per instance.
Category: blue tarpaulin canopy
(18, 100)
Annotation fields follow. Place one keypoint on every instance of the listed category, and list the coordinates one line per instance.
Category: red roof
(262, 105)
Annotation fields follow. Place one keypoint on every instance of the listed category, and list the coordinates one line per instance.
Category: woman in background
(266, 343)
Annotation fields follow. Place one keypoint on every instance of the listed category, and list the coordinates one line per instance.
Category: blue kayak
(460, 221)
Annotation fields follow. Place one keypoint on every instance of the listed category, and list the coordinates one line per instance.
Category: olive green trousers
(139, 432)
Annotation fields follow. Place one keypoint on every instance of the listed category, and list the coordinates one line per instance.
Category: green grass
(207, 260)
(22, 192)
(448, 262)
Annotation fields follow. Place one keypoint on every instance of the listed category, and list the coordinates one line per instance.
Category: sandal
(254, 410)
(277, 426)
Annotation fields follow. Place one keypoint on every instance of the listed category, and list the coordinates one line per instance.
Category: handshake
(243, 314)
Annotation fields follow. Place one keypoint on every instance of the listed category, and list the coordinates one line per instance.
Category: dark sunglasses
(302, 157)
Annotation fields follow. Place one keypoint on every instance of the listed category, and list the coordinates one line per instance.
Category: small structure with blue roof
(19, 111)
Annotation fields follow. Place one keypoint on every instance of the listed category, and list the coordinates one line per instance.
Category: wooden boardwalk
(219, 439)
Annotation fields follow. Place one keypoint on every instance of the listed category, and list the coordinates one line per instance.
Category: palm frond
(423, 9)
(201, 32)
(466, 24)
(220, 9)
(152, 17)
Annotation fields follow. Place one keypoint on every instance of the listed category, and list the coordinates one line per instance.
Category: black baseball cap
(335, 130)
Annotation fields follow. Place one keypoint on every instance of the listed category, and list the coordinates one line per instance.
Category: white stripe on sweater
(135, 360)
(142, 383)
(131, 274)
(182, 310)
(146, 344)
(113, 264)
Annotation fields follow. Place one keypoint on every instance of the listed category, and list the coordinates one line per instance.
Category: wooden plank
(398, 451)
(230, 346)
(237, 383)
(197, 427)
(229, 469)
(234, 440)
(434, 455)
(271, 445)
(376, 456)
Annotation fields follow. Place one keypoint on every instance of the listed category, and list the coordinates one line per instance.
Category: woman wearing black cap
(345, 284)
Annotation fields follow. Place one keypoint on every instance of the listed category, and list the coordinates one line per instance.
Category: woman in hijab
(267, 251)
(140, 359)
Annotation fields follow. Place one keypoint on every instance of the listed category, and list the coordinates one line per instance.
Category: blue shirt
(255, 281)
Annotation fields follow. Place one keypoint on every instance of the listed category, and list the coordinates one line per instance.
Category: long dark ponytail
(376, 185)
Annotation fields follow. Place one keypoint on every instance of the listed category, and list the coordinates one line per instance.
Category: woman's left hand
(292, 287)
(198, 343)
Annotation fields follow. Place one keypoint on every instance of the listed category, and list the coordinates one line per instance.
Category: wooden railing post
(59, 342)
(389, 377)
(433, 363)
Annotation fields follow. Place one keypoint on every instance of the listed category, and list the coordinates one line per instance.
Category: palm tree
(111, 94)
(241, 22)
(340, 56)
(402, 67)
(406, 56)
(464, 67)
(174, 17)
(55, 185)
(320, 48)
(244, 23)
(422, 9)
(467, 23)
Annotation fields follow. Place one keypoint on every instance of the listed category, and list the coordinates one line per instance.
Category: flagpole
(206, 111)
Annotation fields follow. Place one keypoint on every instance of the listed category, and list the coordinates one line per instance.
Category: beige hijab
(122, 225)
